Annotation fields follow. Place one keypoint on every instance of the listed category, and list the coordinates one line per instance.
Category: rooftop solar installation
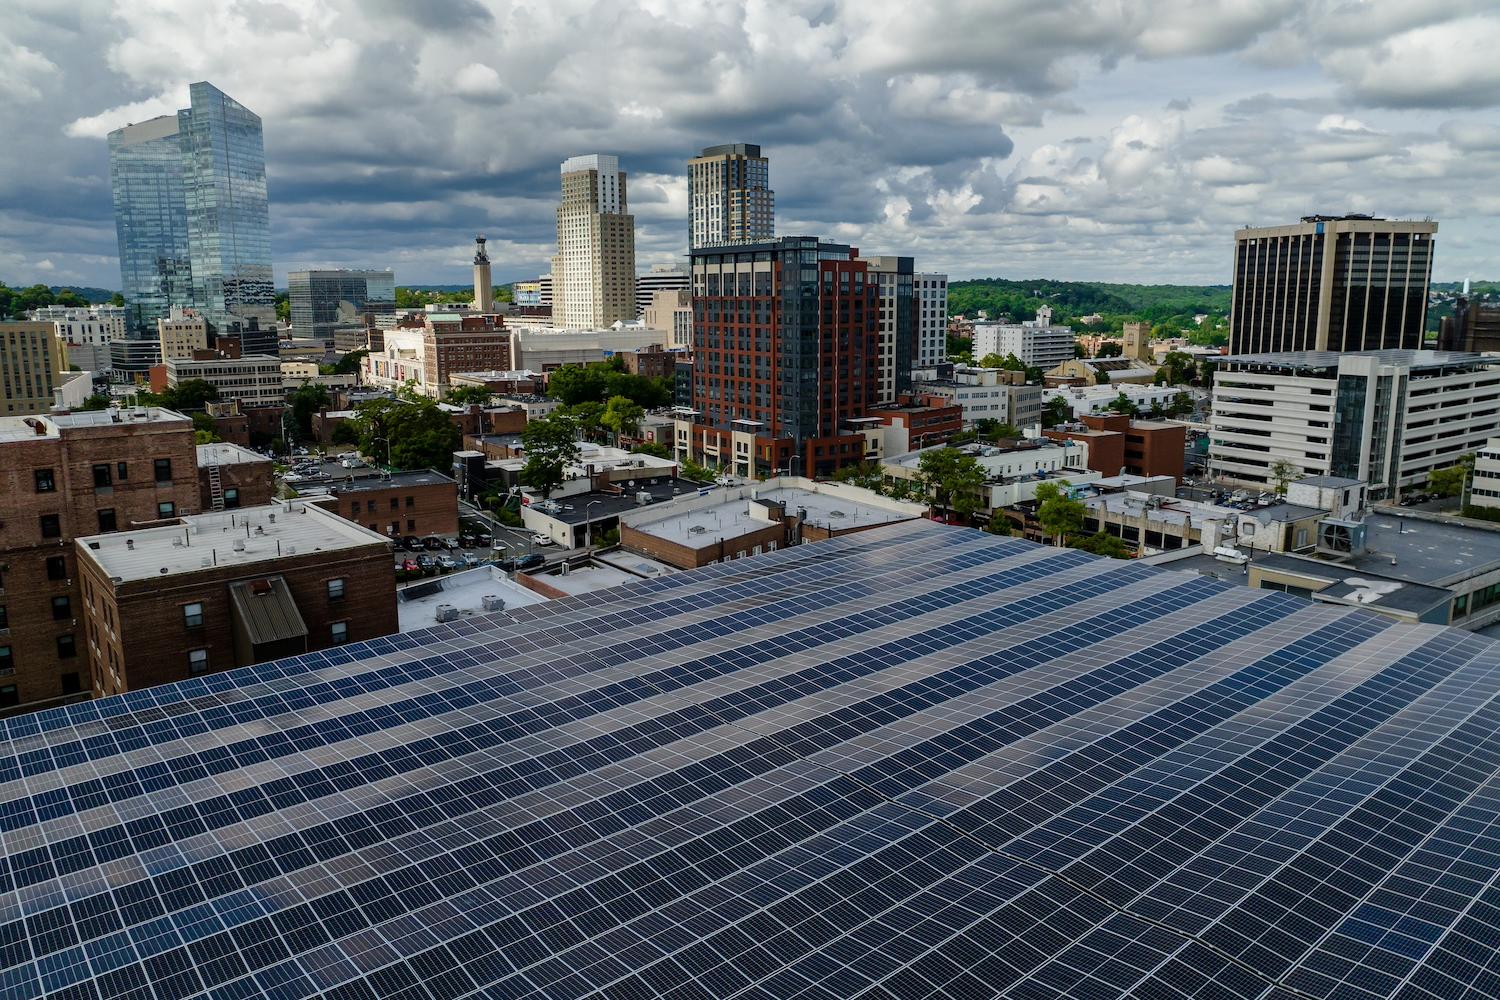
(913, 762)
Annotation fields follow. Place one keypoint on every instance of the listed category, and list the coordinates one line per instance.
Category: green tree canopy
(191, 394)
(307, 399)
(1110, 349)
(350, 363)
(1057, 513)
(344, 433)
(1282, 473)
(587, 417)
(622, 417)
(1449, 482)
(1103, 544)
(419, 435)
(465, 395)
(1056, 411)
(550, 444)
(651, 448)
(1176, 368)
(952, 479)
(1122, 404)
(690, 469)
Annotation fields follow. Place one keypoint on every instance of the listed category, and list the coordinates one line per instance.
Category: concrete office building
(671, 312)
(182, 333)
(131, 360)
(661, 278)
(594, 268)
(729, 196)
(769, 388)
(86, 333)
(984, 393)
(1387, 418)
(254, 380)
(931, 309)
(894, 279)
(1331, 283)
(192, 218)
(1083, 400)
(1484, 484)
(63, 476)
(323, 301)
(33, 362)
(1035, 342)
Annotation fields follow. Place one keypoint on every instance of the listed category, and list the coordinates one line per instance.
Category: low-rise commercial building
(582, 510)
(524, 382)
(982, 393)
(1036, 343)
(426, 351)
(1387, 418)
(1101, 371)
(734, 522)
(254, 380)
(1086, 400)
(215, 591)
(401, 503)
(231, 477)
(917, 420)
(1012, 469)
(1118, 443)
(546, 350)
(1484, 485)
(535, 407)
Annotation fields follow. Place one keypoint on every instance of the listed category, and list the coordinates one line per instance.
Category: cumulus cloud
(1079, 138)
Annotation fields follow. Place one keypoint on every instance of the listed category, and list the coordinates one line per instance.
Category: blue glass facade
(193, 218)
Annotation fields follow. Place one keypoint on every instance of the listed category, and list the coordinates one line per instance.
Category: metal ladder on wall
(215, 487)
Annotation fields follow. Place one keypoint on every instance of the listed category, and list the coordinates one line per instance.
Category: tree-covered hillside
(1070, 300)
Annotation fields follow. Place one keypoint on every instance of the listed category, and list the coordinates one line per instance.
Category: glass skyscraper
(322, 301)
(197, 234)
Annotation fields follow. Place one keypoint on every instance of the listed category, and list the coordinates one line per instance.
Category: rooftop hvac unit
(446, 613)
(697, 529)
(239, 545)
(562, 570)
(492, 602)
(1340, 537)
(642, 498)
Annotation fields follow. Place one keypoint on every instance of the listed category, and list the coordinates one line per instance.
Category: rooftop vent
(492, 602)
(239, 545)
(130, 544)
(446, 613)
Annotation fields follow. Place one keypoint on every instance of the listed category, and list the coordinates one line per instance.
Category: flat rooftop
(587, 579)
(185, 547)
(826, 510)
(1330, 359)
(417, 603)
(1435, 551)
(227, 454)
(740, 516)
(393, 481)
(22, 428)
(597, 505)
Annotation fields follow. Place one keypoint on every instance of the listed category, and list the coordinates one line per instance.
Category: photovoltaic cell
(912, 762)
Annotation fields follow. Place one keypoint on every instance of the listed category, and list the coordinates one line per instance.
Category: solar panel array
(914, 762)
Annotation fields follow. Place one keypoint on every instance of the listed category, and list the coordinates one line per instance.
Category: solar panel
(916, 761)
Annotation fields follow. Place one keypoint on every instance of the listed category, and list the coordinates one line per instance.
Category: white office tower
(594, 270)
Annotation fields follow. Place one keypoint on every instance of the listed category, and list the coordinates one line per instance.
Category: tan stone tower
(484, 292)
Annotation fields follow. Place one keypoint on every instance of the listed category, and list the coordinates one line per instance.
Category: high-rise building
(146, 175)
(181, 334)
(786, 345)
(323, 301)
(594, 269)
(1331, 283)
(932, 318)
(894, 277)
(661, 278)
(192, 218)
(33, 362)
(86, 333)
(729, 196)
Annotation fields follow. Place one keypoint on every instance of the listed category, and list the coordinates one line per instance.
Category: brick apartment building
(403, 503)
(785, 351)
(228, 589)
(1139, 447)
(650, 362)
(61, 477)
(231, 477)
(926, 419)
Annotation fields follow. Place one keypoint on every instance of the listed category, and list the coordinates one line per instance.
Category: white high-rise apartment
(1037, 343)
(593, 271)
(931, 309)
(1385, 417)
(661, 278)
(729, 196)
(86, 333)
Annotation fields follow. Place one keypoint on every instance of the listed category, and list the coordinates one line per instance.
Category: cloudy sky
(1087, 139)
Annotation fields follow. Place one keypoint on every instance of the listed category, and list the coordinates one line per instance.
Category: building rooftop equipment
(916, 761)
(223, 453)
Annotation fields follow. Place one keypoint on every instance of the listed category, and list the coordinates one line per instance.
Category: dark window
(231, 499)
(7, 662)
(67, 647)
(336, 589)
(163, 467)
(197, 661)
(411, 501)
(51, 526)
(62, 608)
(101, 475)
(9, 696)
(4, 617)
(166, 509)
(369, 506)
(411, 524)
(340, 632)
(120, 471)
(57, 568)
(70, 683)
(395, 503)
(44, 481)
(192, 615)
(107, 520)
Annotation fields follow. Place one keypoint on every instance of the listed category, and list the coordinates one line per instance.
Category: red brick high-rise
(786, 349)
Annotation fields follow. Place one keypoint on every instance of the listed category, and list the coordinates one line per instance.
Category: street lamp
(791, 465)
(588, 525)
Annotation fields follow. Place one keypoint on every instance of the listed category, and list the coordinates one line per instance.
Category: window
(121, 471)
(197, 661)
(4, 617)
(67, 647)
(9, 696)
(70, 683)
(340, 632)
(57, 568)
(395, 503)
(369, 506)
(192, 615)
(163, 468)
(411, 524)
(7, 662)
(101, 475)
(231, 499)
(51, 526)
(336, 589)
(166, 509)
(411, 502)
(107, 520)
(62, 608)
(44, 481)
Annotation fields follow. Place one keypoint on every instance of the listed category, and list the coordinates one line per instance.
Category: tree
(1056, 411)
(96, 402)
(344, 433)
(999, 524)
(690, 469)
(283, 304)
(1283, 472)
(117, 299)
(466, 395)
(351, 363)
(1102, 543)
(550, 445)
(587, 417)
(307, 399)
(414, 433)
(203, 428)
(191, 394)
(651, 448)
(1101, 377)
(953, 480)
(1110, 349)
(622, 417)
(1183, 404)
(1078, 351)
(1206, 374)
(577, 384)
(1122, 404)
(1057, 513)
(1176, 368)
(1450, 482)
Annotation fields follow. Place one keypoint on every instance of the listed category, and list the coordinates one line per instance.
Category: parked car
(506, 564)
(541, 539)
(426, 561)
(482, 538)
(352, 463)
(411, 543)
(531, 562)
(410, 566)
(470, 559)
(448, 562)
(432, 543)
(466, 541)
